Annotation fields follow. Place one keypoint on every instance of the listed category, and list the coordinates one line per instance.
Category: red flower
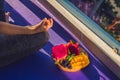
(73, 48)
(59, 52)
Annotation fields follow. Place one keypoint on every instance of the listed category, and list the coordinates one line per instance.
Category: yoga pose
(16, 41)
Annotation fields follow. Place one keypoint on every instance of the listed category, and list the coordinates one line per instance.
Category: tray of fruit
(70, 57)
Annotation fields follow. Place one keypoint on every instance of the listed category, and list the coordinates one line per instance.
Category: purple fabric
(40, 66)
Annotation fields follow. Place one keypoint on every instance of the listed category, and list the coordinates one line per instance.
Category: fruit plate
(70, 57)
(77, 63)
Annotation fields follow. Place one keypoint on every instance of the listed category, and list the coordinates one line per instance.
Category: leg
(13, 48)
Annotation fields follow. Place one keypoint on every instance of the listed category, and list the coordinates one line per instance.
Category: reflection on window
(105, 13)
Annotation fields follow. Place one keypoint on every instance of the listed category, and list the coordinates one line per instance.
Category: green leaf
(56, 62)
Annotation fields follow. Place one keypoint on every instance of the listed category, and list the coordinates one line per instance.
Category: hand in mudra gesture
(43, 26)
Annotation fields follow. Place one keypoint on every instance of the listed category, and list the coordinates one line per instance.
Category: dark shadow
(91, 73)
(97, 69)
(35, 67)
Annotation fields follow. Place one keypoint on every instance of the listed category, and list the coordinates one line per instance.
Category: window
(98, 16)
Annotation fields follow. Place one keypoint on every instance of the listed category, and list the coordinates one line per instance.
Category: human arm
(11, 29)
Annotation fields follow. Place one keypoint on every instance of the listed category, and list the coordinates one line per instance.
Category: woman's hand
(11, 29)
(43, 26)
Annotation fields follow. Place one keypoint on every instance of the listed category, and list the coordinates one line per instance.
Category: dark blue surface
(35, 67)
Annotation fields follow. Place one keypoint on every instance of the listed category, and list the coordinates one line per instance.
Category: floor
(40, 65)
